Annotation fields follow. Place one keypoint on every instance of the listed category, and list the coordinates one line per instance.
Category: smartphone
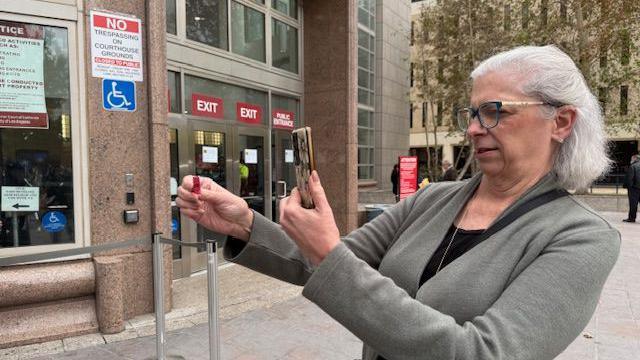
(304, 163)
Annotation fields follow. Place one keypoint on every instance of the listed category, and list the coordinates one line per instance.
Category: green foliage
(601, 36)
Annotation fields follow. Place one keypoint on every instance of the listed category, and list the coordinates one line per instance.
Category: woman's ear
(563, 123)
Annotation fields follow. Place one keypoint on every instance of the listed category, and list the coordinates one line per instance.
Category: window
(411, 116)
(625, 43)
(207, 22)
(439, 109)
(284, 46)
(602, 98)
(624, 98)
(366, 86)
(172, 27)
(36, 145)
(525, 14)
(603, 55)
(229, 94)
(287, 7)
(563, 10)
(411, 75)
(247, 32)
(173, 80)
(365, 144)
(366, 65)
(544, 10)
(413, 25)
(367, 13)
(507, 17)
(424, 114)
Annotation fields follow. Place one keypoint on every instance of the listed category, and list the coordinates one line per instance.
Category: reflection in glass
(287, 7)
(41, 159)
(247, 32)
(230, 94)
(171, 17)
(284, 46)
(207, 22)
(173, 79)
(210, 162)
(174, 182)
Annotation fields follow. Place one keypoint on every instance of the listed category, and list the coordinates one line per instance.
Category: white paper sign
(22, 98)
(20, 198)
(210, 154)
(173, 183)
(116, 46)
(250, 156)
(288, 156)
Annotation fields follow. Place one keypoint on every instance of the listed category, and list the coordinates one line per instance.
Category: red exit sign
(209, 106)
(249, 113)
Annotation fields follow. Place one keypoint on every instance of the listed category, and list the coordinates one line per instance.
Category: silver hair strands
(550, 75)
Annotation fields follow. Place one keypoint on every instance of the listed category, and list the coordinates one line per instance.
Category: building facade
(107, 105)
(619, 99)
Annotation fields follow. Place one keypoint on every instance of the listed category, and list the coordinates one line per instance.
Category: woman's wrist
(245, 226)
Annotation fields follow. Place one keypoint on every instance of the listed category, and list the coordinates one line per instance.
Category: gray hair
(551, 76)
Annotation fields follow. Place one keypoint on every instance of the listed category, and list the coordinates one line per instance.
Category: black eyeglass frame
(475, 112)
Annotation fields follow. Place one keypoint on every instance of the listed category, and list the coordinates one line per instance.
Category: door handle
(281, 189)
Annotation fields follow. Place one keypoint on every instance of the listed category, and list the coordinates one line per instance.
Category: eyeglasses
(489, 113)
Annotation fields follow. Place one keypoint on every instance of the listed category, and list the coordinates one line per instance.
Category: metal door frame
(192, 261)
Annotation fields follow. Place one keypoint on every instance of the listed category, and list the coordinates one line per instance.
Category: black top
(464, 241)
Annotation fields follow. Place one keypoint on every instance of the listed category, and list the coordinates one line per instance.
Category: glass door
(283, 170)
(210, 152)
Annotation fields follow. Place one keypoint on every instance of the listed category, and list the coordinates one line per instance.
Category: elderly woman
(505, 265)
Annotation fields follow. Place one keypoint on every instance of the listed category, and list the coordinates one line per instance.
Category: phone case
(304, 162)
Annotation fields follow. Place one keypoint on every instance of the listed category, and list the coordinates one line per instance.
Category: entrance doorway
(231, 156)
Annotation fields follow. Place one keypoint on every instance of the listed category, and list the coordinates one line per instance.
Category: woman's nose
(475, 128)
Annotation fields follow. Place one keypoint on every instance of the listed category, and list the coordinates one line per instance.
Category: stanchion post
(158, 294)
(212, 282)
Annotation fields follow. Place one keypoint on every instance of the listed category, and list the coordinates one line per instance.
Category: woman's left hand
(314, 230)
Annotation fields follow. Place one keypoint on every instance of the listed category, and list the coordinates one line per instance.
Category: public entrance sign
(116, 47)
(22, 98)
(408, 175)
(20, 198)
(249, 113)
(283, 119)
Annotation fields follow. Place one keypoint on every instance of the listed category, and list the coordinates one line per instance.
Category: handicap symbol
(53, 218)
(117, 95)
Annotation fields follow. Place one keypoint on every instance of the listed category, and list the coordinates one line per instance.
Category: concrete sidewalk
(262, 318)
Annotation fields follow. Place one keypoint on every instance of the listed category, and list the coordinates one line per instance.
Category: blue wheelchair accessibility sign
(118, 95)
(54, 221)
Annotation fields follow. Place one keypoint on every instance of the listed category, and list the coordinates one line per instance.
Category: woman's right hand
(215, 208)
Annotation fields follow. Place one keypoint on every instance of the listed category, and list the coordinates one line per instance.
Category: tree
(599, 35)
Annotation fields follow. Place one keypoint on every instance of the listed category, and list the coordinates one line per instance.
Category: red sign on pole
(202, 105)
(249, 113)
(283, 119)
(408, 175)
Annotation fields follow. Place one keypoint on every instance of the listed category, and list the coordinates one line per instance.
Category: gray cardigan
(524, 293)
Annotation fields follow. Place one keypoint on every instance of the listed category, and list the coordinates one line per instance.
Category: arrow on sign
(18, 206)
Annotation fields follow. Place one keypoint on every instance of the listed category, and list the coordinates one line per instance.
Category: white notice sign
(116, 47)
(250, 156)
(288, 156)
(210, 154)
(20, 198)
(22, 99)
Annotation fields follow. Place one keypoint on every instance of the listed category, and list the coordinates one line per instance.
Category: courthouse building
(106, 105)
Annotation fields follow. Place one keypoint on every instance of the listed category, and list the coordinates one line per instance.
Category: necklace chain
(453, 236)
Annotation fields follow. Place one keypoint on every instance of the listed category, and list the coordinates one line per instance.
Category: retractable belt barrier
(158, 281)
